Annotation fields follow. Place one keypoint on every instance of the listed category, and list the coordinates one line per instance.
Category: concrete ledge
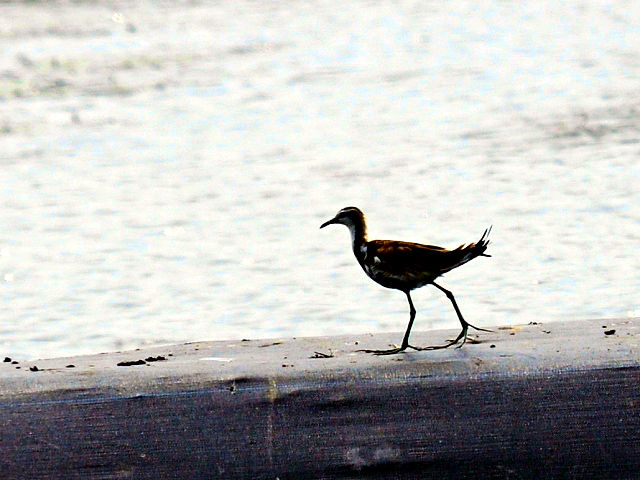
(531, 401)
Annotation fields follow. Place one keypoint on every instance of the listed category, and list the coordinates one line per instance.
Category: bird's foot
(391, 351)
(472, 340)
(438, 347)
(462, 336)
(479, 329)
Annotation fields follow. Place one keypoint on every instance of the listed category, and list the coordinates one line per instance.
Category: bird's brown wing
(411, 261)
(416, 260)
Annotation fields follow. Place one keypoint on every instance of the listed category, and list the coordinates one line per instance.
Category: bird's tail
(468, 252)
(483, 242)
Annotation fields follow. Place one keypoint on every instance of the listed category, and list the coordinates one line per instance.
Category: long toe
(388, 352)
(462, 336)
(391, 351)
(473, 340)
(437, 347)
(480, 329)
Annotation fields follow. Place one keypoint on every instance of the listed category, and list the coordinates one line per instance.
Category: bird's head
(349, 216)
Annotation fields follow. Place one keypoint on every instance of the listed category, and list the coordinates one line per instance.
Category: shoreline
(538, 399)
(510, 350)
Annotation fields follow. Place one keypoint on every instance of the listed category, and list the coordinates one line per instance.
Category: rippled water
(164, 167)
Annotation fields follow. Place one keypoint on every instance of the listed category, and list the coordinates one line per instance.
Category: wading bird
(406, 266)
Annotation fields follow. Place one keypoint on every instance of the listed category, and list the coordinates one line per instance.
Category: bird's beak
(333, 220)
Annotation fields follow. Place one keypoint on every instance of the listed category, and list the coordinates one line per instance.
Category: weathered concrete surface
(531, 401)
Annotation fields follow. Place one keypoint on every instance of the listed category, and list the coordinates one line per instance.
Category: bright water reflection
(165, 170)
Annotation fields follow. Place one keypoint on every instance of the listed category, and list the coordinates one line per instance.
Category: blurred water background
(165, 166)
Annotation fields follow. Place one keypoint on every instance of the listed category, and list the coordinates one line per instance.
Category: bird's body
(406, 266)
(402, 265)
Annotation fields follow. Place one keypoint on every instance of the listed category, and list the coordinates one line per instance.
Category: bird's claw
(391, 351)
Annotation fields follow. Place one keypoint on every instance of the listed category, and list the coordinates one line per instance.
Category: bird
(406, 266)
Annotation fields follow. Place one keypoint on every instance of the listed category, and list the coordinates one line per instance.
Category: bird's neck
(358, 239)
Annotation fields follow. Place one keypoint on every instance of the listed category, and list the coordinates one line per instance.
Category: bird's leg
(405, 340)
(463, 322)
(412, 317)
